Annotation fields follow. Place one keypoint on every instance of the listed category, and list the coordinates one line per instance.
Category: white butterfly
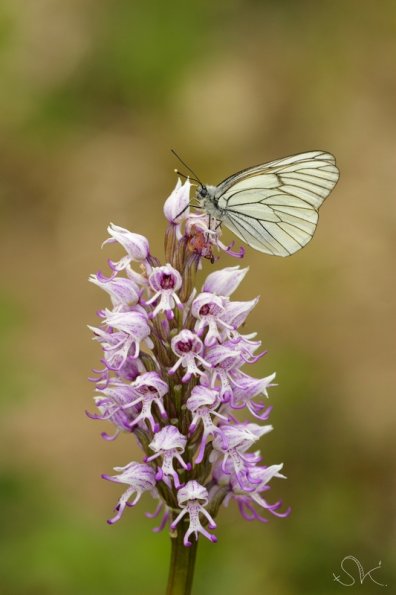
(273, 207)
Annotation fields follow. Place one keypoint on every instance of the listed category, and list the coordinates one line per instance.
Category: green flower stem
(181, 570)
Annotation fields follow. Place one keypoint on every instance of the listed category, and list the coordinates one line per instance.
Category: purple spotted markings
(171, 377)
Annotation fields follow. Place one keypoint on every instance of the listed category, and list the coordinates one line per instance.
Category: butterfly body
(208, 199)
(273, 207)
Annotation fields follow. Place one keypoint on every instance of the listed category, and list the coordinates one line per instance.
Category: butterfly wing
(274, 207)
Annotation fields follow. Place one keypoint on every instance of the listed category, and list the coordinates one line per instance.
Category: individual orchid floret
(250, 388)
(233, 443)
(112, 398)
(116, 414)
(226, 360)
(199, 242)
(208, 308)
(136, 246)
(176, 207)
(115, 345)
(225, 363)
(131, 328)
(115, 405)
(123, 292)
(187, 346)
(203, 403)
(128, 371)
(236, 312)
(139, 477)
(170, 444)
(246, 500)
(199, 223)
(203, 234)
(192, 499)
(245, 345)
(225, 281)
(151, 389)
(133, 323)
(165, 281)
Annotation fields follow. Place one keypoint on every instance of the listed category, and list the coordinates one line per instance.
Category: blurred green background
(94, 94)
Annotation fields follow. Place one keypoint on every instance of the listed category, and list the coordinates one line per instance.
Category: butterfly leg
(209, 227)
(185, 209)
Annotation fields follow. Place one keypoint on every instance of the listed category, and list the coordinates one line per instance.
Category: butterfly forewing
(273, 207)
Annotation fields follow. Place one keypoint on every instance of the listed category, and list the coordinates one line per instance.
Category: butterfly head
(206, 194)
(202, 192)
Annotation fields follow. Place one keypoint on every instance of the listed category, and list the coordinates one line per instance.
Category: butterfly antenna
(180, 173)
(196, 179)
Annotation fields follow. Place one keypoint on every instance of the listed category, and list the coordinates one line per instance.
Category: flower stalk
(182, 563)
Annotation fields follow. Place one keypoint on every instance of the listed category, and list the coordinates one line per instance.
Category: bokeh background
(94, 93)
